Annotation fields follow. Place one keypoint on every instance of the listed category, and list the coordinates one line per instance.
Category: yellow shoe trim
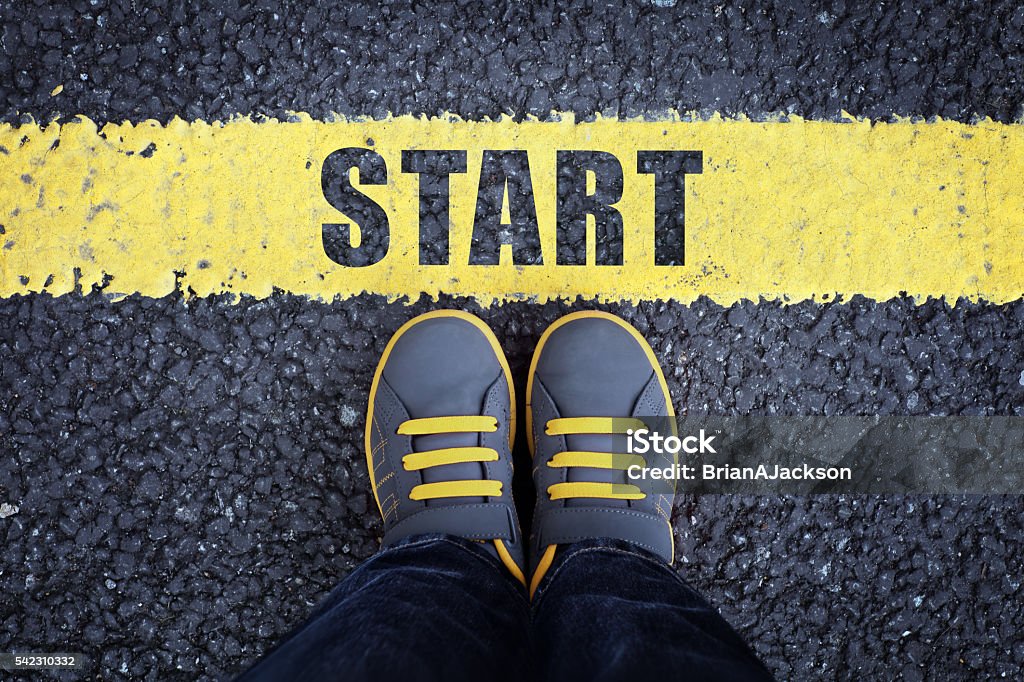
(462, 424)
(542, 567)
(577, 425)
(596, 460)
(604, 491)
(415, 461)
(433, 491)
(510, 564)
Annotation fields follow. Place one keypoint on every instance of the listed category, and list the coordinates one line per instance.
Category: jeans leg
(609, 611)
(430, 608)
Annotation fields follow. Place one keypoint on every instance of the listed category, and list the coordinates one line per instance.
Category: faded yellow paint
(791, 210)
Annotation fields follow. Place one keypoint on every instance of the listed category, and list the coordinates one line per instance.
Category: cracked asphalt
(182, 479)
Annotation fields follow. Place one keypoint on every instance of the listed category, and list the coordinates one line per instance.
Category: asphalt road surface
(182, 479)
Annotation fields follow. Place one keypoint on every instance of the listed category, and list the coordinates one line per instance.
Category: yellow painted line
(790, 210)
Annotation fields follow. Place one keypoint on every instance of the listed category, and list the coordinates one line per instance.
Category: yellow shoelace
(416, 461)
(598, 460)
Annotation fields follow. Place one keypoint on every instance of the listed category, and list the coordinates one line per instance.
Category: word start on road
(588, 184)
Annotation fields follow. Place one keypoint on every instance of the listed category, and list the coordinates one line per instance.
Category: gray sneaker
(439, 432)
(592, 375)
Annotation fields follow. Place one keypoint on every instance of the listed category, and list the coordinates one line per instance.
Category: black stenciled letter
(501, 169)
(434, 168)
(574, 204)
(670, 169)
(374, 229)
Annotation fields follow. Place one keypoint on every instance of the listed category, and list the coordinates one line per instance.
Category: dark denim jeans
(442, 608)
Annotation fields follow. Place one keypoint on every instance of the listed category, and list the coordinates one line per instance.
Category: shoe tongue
(465, 471)
(593, 443)
(458, 397)
(444, 440)
(453, 402)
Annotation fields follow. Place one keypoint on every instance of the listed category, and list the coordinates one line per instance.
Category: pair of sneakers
(442, 420)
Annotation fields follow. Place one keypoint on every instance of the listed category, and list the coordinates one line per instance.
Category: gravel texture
(181, 481)
(190, 481)
(124, 60)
